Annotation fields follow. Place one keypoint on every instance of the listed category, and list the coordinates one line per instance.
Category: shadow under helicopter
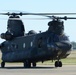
(39, 67)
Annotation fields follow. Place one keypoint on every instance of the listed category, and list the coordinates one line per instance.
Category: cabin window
(24, 45)
(31, 44)
(8, 47)
(14, 46)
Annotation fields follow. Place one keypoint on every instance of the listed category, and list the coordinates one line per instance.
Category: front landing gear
(58, 64)
(2, 64)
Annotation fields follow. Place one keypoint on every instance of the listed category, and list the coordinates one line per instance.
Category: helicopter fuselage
(36, 47)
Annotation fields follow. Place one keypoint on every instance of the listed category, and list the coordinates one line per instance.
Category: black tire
(56, 64)
(34, 64)
(27, 64)
(2, 64)
(60, 64)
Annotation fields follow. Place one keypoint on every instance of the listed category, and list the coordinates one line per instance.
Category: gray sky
(39, 6)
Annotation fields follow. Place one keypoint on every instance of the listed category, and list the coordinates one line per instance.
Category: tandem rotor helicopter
(33, 47)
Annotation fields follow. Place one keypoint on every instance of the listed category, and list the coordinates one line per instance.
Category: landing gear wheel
(2, 64)
(27, 64)
(58, 64)
(34, 64)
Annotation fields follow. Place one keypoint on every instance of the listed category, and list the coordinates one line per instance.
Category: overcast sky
(39, 6)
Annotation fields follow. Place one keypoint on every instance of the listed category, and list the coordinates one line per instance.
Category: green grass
(69, 61)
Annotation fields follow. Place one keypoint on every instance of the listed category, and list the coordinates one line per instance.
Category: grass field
(71, 59)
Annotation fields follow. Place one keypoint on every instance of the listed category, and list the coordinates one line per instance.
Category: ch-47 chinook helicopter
(34, 47)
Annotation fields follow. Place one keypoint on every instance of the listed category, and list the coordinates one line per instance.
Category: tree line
(74, 45)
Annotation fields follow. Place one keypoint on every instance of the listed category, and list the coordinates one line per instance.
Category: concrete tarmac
(17, 69)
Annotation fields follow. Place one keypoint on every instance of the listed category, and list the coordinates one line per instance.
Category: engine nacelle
(6, 36)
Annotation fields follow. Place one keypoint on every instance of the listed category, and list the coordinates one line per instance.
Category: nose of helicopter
(62, 49)
(64, 45)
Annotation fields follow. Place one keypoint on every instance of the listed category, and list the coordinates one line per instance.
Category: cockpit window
(53, 38)
(63, 38)
(57, 38)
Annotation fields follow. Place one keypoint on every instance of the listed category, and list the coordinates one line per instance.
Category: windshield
(57, 38)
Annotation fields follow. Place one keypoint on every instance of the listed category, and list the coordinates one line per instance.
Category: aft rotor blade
(8, 13)
(49, 13)
(3, 13)
(20, 13)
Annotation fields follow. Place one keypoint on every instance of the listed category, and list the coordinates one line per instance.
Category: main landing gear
(27, 64)
(2, 64)
(58, 64)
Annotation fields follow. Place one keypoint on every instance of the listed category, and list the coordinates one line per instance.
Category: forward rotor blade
(28, 18)
(65, 17)
(52, 18)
